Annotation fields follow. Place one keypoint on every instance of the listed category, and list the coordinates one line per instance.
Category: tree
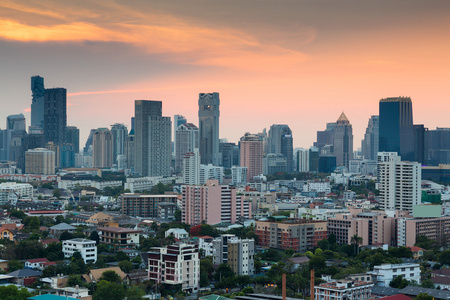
(57, 193)
(18, 214)
(424, 242)
(428, 284)
(399, 282)
(224, 271)
(135, 293)
(107, 290)
(444, 257)
(424, 296)
(126, 266)
(317, 262)
(14, 265)
(12, 292)
(120, 256)
(177, 215)
(66, 236)
(94, 236)
(32, 223)
(74, 280)
(356, 241)
(111, 276)
(50, 271)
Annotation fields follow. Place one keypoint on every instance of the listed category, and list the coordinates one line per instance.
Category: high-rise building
(419, 143)
(40, 161)
(274, 163)
(208, 172)
(191, 167)
(186, 141)
(208, 114)
(102, 148)
(301, 160)
(399, 182)
(280, 141)
(314, 159)
(37, 102)
(343, 141)
(177, 121)
(130, 150)
(13, 140)
(369, 145)
(396, 127)
(325, 137)
(237, 253)
(152, 139)
(238, 175)
(73, 137)
(55, 115)
(230, 154)
(119, 135)
(251, 155)
(437, 150)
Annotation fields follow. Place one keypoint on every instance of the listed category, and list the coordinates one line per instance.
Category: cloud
(173, 38)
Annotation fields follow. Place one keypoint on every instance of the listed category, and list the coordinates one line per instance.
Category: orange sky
(296, 62)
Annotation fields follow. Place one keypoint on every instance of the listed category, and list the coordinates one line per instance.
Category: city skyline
(341, 57)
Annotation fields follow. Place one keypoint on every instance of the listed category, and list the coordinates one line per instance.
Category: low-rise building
(343, 290)
(118, 237)
(178, 233)
(385, 273)
(146, 206)
(85, 247)
(174, 265)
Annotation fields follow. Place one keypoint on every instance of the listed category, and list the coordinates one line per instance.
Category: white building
(40, 161)
(71, 184)
(301, 159)
(343, 290)
(210, 171)
(237, 253)
(384, 274)
(175, 264)
(317, 186)
(238, 175)
(21, 190)
(398, 182)
(178, 233)
(146, 183)
(206, 243)
(85, 247)
(191, 167)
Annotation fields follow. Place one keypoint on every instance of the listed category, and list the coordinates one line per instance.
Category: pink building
(213, 203)
(252, 152)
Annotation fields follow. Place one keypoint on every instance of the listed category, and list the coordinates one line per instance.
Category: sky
(295, 62)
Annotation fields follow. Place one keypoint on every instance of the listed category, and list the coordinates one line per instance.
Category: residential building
(174, 265)
(343, 290)
(20, 190)
(369, 145)
(146, 183)
(237, 253)
(319, 186)
(297, 234)
(58, 229)
(208, 115)
(191, 167)
(55, 115)
(94, 275)
(40, 161)
(436, 229)
(38, 263)
(396, 132)
(177, 121)
(119, 134)
(230, 154)
(118, 237)
(208, 172)
(280, 142)
(398, 182)
(187, 139)
(178, 233)
(152, 139)
(385, 273)
(213, 203)
(87, 249)
(301, 160)
(238, 175)
(145, 206)
(251, 155)
(102, 142)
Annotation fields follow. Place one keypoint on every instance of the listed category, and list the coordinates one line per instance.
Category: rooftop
(118, 230)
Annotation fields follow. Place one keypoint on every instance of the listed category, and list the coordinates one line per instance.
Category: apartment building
(85, 247)
(384, 274)
(237, 253)
(297, 234)
(436, 229)
(343, 290)
(146, 206)
(118, 237)
(175, 264)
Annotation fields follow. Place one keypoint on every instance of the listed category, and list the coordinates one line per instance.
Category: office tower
(152, 139)
(264, 138)
(55, 115)
(301, 160)
(437, 150)
(187, 139)
(66, 155)
(230, 154)
(274, 163)
(343, 141)
(399, 182)
(16, 123)
(327, 163)
(88, 145)
(102, 148)
(369, 145)
(191, 167)
(37, 102)
(177, 121)
(280, 141)
(251, 155)
(396, 127)
(119, 134)
(40, 161)
(325, 137)
(419, 143)
(13, 140)
(314, 159)
(208, 115)
(73, 137)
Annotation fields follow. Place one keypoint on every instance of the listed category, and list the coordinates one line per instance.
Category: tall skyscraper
(419, 143)
(152, 139)
(343, 141)
(37, 102)
(325, 137)
(369, 145)
(281, 142)
(119, 134)
(396, 127)
(130, 150)
(230, 154)
(437, 150)
(208, 114)
(73, 137)
(55, 115)
(191, 167)
(251, 155)
(102, 148)
(187, 139)
(399, 182)
(177, 121)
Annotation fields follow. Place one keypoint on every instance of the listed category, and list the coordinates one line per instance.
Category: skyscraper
(399, 182)
(186, 141)
(343, 141)
(369, 145)
(301, 160)
(102, 148)
(437, 150)
(251, 155)
(419, 143)
(55, 115)
(73, 137)
(37, 102)
(177, 121)
(396, 127)
(208, 114)
(119, 134)
(191, 167)
(280, 142)
(152, 139)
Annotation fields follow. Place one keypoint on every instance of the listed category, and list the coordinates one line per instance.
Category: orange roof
(10, 226)
(415, 249)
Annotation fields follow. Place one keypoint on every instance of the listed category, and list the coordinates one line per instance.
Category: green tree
(120, 256)
(126, 266)
(356, 241)
(424, 242)
(177, 215)
(14, 265)
(223, 271)
(428, 284)
(50, 271)
(12, 292)
(317, 262)
(18, 214)
(74, 280)
(57, 193)
(32, 223)
(107, 290)
(399, 282)
(111, 276)
(135, 293)
(94, 236)
(424, 296)
(444, 257)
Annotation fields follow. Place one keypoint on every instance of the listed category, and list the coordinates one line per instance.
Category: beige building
(40, 161)
(102, 141)
(252, 153)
